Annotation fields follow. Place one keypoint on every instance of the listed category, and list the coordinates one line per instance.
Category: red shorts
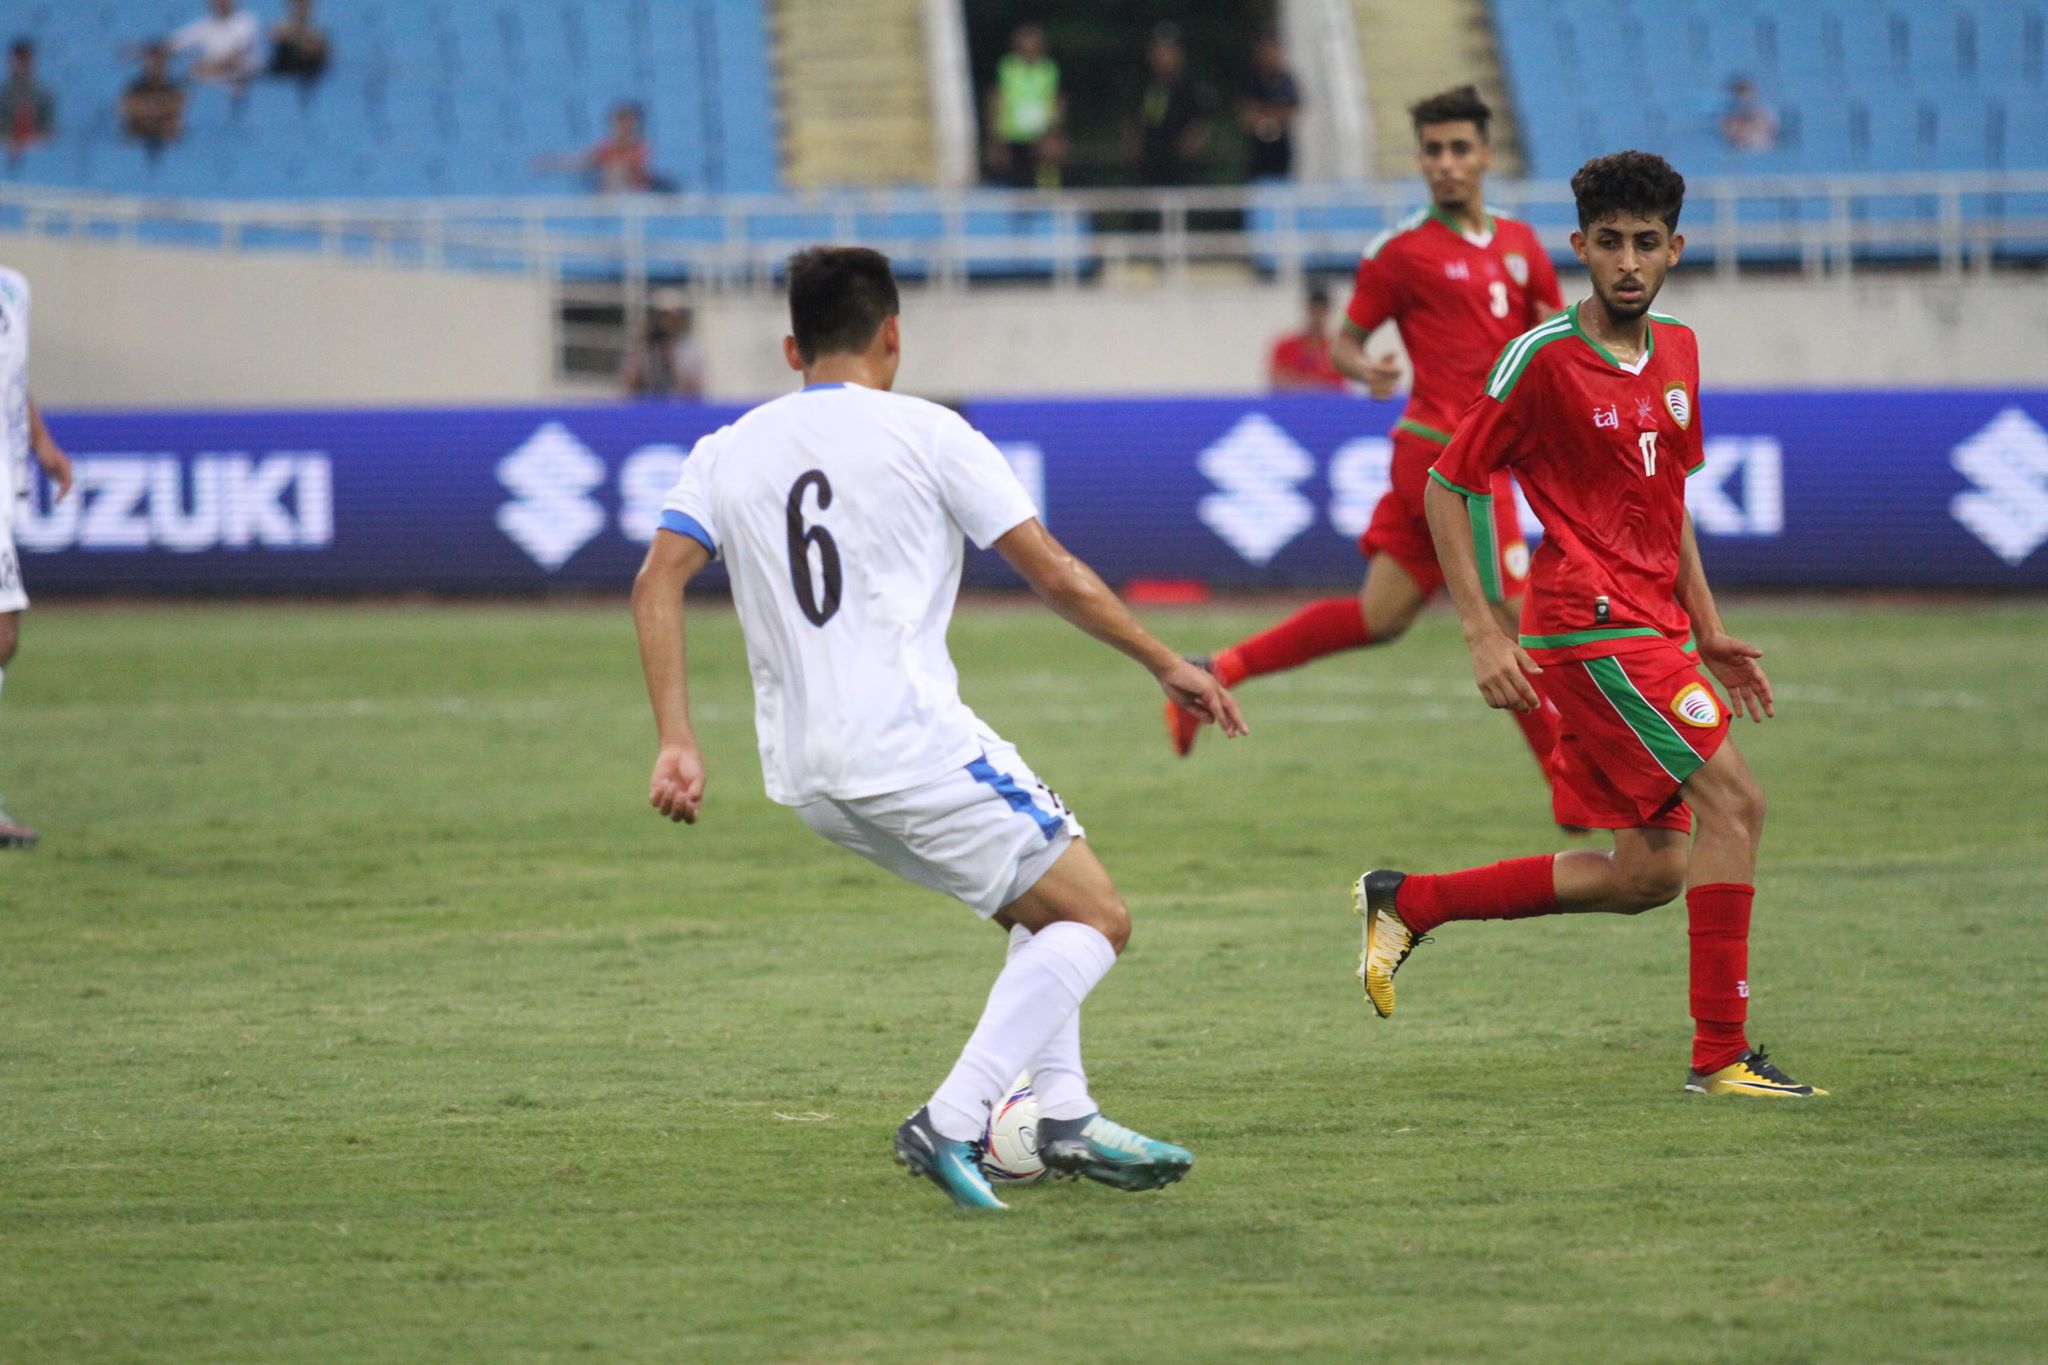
(1632, 727)
(1400, 528)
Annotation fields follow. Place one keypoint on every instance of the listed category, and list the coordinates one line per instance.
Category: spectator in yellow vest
(1026, 113)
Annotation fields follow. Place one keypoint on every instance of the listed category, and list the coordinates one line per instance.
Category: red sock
(1516, 889)
(1539, 727)
(1717, 918)
(1320, 628)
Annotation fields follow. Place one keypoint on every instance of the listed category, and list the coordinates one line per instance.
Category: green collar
(1649, 343)
(1452, 223)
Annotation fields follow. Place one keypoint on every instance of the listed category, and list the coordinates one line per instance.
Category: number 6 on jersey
(801, 539)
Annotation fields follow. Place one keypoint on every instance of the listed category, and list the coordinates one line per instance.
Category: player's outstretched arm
(1082, 599)
(1732, 662)
(676, 788)
(1499, 665)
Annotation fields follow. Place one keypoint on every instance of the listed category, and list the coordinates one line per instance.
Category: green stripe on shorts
(1651, 726)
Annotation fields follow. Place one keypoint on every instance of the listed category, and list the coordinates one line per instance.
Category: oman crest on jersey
(1518, 268)
(1680, 404)
(1696, 706)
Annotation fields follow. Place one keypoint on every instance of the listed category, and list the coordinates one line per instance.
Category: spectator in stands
(1301, 360)
(28, 113)
(666, 361)
(619, 164)
(1748, 124)
(298, 46)
(1268, 109)
(1026, 114)
(153, 106)
(223, 45)
(1175, 117)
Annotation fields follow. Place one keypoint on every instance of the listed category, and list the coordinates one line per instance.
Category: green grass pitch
(357, 1008)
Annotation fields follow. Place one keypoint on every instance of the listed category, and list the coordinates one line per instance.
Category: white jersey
(14, 430)
(839, 512)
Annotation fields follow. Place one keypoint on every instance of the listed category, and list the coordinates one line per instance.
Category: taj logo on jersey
(1696, 706)
(1518, 268)
(1680, 404)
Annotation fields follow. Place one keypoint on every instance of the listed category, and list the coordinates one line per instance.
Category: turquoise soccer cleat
(1104, 1150)
(948, 1164)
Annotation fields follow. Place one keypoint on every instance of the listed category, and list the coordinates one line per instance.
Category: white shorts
(13, 592)
(983, 835)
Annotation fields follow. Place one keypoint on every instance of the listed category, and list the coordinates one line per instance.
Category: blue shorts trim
(684, 524)
(981, 770)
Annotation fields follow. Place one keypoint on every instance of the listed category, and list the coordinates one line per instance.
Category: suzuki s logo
(552, 514)
(1259, 467)
(2008, 461)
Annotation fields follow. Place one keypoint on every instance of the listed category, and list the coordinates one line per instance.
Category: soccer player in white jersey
(22, 437)
(839, 511)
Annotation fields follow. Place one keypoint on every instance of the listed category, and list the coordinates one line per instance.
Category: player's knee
(1650, 882)
(1390, 628)
(10, 639)
(1112, 919)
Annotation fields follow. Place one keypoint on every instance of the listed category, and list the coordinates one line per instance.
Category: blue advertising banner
(1800, 489)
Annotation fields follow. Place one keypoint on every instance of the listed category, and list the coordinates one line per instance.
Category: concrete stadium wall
(1213, 338)
(129, 326)
(123, 326)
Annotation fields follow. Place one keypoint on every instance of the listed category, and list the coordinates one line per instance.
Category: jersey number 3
(1497, 298)
(801, 539)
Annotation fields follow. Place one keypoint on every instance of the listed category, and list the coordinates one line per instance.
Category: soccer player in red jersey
(1597, 413)
(1460, 282)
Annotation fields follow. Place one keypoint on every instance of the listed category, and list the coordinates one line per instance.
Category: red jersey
(1303, 362)
(1602, 452)
(1456, 303)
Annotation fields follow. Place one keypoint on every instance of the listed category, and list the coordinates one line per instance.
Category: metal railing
(1833, 224)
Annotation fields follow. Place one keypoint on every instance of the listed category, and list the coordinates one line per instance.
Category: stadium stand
(1950, 85)
(425, 97)
(855, 92)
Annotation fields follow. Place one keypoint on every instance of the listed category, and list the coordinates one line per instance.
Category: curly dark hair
(1628, 182)
(1461, 105)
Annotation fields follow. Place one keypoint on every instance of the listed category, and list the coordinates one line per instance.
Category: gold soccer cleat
(1387, 939)
(1753, 1073)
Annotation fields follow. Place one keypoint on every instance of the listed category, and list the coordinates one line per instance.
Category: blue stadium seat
(429, 96)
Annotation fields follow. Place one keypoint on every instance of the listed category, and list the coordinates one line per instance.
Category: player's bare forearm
(676, 787)
(1737, 664)
(1347, 352)
(1692, 591)
(1500, 667)
(48, 453)
(672, 561)
(1077, 594)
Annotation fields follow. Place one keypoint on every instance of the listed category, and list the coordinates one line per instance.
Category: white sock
(1040, 988)
(1057, 1077)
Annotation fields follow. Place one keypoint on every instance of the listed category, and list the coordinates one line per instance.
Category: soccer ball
(1009, 1144)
